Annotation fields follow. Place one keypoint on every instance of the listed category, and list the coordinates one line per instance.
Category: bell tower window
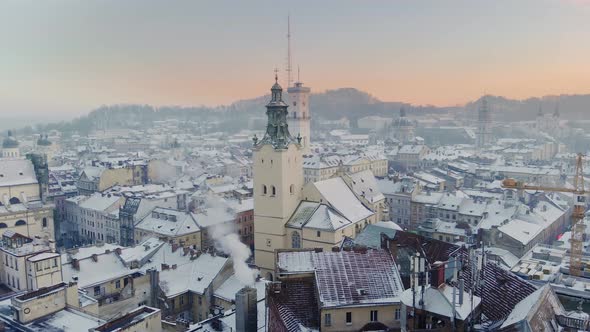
(264, 189)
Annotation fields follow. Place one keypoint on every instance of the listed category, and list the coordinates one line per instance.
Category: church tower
(278, 182)
(10, 147)
(484, 130)
(299, 119)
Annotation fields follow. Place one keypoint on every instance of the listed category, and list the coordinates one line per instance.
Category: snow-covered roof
(440, 301)
(522, 309)
(85, 252)
(99, 202)
(337, 194)
(295, 262)
(194, 276)
(520, 230)
(326, 218)
(213, 216)
(347, 278)
(106, 267)
(227, 291)
(169, 222)
(364, 184)
(43, 256)
(15, 172)
(411, 149)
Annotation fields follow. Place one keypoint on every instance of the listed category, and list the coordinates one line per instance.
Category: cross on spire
(276, 75)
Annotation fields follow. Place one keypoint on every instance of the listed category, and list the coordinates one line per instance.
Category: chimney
(75, 264)
(165, 267)
(174, 247)
(174, 266)
(154, 286)
(94, 257)
(246, 310)
(118, 251)
(461, 290)
(335, 249)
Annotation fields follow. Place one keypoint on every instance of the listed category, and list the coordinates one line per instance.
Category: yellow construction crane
(578, 226)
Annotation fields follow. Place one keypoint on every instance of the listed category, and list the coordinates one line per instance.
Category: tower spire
(277, 130)
(288, 70)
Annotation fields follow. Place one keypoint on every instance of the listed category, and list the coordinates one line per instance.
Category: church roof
(338, 195)
(317, 216)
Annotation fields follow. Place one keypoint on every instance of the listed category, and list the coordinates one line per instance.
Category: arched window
(295, 240)
(3, 225)
(44, 222)
(20, 223)
(291, 189)
(14, 200)
(264, 189)
(269, 276)
(274, 191)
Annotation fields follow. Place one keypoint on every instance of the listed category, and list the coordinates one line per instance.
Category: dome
(43, 141)
(402, 122)
(10, 142)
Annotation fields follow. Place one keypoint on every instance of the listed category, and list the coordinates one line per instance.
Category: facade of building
(28, 264)
(22, 206)
(311, 295)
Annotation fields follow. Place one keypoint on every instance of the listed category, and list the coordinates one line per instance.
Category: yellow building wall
(34, 222)
(42, 306)
(360, 317)
(30, 190)
(281, 169)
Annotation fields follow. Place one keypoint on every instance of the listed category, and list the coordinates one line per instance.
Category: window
(374, 317)
(295, 240)
(118, 284)
(291, 189)
(20, 223)
(39, 267)
(264, 189)
(181, 299)
(328, 319)
(44, 222)
(398, 314)
(274, 191)
(318, 234)
(96, 290)
(172, 303)
(348, 318)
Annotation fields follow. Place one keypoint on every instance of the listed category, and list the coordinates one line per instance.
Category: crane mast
(579, 210)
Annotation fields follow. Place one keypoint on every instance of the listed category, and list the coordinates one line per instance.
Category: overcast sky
(68, 57)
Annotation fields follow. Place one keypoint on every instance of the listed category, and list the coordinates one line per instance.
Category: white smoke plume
(227, 241)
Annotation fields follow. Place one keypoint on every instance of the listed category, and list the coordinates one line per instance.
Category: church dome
(10, 142)
(43, 141)
(402, 121)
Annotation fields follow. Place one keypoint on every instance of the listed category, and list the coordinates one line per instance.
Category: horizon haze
(75, 57)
